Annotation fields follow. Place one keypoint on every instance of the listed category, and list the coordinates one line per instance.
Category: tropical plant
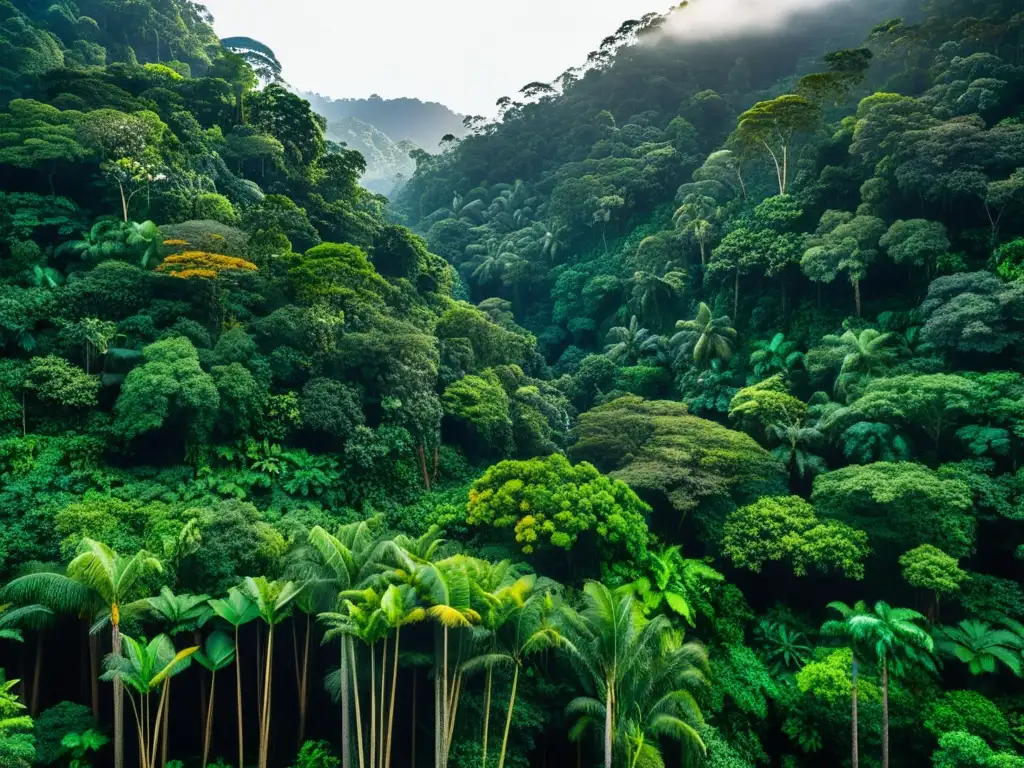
(681, 584)
(787, 649)
(98, 576)
(145, 668)
(774, 355)
(217, 653)
(236, 609)
(705, 338)
(641, 679)
(273, 600)
(629, 344)
(860, 355)
(981, 646)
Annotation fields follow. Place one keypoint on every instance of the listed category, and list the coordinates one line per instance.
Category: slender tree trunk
(856, 295)
(37, 673)
(508, 718)
(124, 202)
(885, 713)
(421, 452)
(447, 711)
(487, 714)
(118, 692)
(373, 705)
(304, 686)
(391, 706)
(197, 640)
(346, 745)
(355, 697)
(209, 720)
(265, 719)
(167, 723)
(856, 751)
(383, 690)
(608, 700)
(238, 703)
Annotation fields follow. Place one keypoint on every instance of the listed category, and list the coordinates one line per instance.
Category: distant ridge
(404, 119)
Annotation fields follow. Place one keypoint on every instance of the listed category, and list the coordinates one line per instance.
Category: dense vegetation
(685, 432)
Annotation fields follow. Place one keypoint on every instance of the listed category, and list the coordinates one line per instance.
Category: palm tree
(676, 582)
(217, 654)
(346, 561)
(627, 344)
(775, 355)
(641, 675)
(400, 607)
(981, 646)
(145, 668)
(177, 614)
(236, 610)
(147, 238)
(897, 642)
(553, 238)
(526, 627)
(36, 618)
(798, 441)
(867, 354)
(694, 219)
(844, 628)
(706, 338)
(654, 295)
(446, 586)
(786, 649)
(274, 600)
(97, 576)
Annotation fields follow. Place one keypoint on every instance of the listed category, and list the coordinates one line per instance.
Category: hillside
(679, 423)
(387, 162)
(407, 119)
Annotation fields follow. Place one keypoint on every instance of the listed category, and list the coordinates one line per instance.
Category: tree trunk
(209, 720)
(265, 717)
(508, 718)
(197, 640)
(885, 713)
(355, 697)
(238, 691)
(608, 728)
(856, 295)
(167, 722)
(124, 202)
(37, 673)
(421, 452)
(487, 714)
(855, 754)
(304, 686)
(373, 706)
(346, 744)
(118, 692)
(391, 706)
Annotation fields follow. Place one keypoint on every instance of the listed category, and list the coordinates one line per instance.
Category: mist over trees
(669, 416)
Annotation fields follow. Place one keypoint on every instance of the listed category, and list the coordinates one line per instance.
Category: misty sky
(462, 53)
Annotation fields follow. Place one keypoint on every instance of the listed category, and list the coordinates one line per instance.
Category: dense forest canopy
(673, 417)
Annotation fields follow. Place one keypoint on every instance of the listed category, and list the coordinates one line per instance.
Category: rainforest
(671, 416)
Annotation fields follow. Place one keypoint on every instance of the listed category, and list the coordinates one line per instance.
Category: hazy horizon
(471, 55)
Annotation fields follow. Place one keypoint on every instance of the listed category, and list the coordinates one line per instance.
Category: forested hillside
(423, 123)
(678, 423)
(387, 162)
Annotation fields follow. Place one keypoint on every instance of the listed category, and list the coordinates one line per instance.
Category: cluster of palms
(895, 641)
(637, 678)
(507, 236)
(702, 340)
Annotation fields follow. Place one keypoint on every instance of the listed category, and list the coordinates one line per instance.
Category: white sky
(462, 53)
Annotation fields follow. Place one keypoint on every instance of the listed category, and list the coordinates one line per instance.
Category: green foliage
(930, 568)
(959, 749)
(970, 712)
(551, 503)
(899, 505)
(786, 528)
